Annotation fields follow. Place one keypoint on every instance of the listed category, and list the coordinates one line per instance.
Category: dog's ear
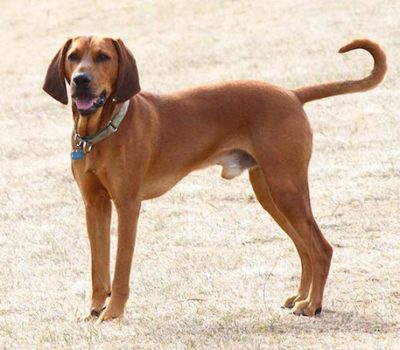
(127, 84)
(54, 83)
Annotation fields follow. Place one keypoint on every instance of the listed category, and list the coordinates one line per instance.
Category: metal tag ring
(77, 140)
(86, 146)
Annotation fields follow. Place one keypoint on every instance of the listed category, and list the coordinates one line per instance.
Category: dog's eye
(102, 57)
(73, 57)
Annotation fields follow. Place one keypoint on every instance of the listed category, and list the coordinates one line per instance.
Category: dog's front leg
(128, 214)
(98, 220)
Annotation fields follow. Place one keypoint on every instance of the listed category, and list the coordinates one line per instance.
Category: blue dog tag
(77, 154)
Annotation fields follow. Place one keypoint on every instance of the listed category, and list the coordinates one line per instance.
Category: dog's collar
(84, 144)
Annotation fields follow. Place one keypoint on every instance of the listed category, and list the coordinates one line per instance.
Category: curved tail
(316, 92)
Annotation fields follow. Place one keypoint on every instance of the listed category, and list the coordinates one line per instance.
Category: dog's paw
(289, 302)
(306, 308)
(108, 315)
(94, 314)
(112, 311)
(292, 300)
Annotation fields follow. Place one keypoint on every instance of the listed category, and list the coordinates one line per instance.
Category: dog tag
(77, 154)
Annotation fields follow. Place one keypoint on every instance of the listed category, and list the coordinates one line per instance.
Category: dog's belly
(155, 187)
(233, 164)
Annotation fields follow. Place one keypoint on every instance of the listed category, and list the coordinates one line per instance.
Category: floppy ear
(127, 84)
(54, 83)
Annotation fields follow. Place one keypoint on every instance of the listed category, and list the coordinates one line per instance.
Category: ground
(211, 267)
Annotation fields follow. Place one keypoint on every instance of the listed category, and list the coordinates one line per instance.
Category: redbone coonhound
(130, 145)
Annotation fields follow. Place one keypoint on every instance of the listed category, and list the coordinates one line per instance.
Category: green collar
(85, 143)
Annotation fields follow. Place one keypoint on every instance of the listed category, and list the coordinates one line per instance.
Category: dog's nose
(82, 79)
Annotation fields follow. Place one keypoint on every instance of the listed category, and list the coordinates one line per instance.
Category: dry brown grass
(210, 267)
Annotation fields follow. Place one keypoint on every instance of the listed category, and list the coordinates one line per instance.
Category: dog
(129, 145)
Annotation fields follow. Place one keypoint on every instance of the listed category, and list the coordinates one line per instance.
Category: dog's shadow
(330, 321)
(280, 323)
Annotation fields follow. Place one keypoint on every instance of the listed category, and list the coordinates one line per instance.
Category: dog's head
(97, 69)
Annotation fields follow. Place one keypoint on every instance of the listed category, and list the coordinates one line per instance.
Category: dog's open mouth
(87, 103)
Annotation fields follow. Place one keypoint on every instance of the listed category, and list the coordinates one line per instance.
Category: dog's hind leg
(263, 195)
(282, 150)
(288, 185)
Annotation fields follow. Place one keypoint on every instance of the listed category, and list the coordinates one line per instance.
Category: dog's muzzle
(86, 101)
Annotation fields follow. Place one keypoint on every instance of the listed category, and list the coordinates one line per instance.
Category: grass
(210, 267)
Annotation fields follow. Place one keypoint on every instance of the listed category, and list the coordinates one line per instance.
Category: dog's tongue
(84, 103)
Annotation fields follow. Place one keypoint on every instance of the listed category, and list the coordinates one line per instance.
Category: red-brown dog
(129, 146)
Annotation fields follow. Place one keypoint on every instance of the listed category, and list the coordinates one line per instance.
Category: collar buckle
(113, 127)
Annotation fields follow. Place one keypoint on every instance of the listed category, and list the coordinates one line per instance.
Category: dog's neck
(87, 126)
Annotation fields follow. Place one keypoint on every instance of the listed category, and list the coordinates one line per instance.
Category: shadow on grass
(278, 323)
(329, 321)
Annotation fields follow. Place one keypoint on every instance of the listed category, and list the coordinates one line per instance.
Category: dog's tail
(317, 92)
